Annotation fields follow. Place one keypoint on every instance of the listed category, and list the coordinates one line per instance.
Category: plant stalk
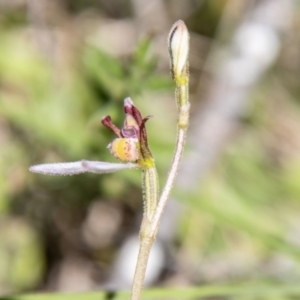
(153, 210)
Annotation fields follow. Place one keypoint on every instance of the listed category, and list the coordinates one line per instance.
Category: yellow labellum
(125, 149)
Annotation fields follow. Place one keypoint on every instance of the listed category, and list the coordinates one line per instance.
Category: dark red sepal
(107, 122)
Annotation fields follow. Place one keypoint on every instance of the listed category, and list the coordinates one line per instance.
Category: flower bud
(178, 42)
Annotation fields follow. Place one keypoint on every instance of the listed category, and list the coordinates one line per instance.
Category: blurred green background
(66, 63)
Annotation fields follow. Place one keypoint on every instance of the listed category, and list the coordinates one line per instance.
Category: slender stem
(150, 191)
(146, 242)
(170, 180)
(150, 195)
(151, 221)
(178, 48)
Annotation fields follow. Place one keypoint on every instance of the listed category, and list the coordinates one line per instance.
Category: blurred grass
(245, 214)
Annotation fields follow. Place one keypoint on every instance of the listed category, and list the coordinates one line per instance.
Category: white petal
(106, 167)
(71, 168)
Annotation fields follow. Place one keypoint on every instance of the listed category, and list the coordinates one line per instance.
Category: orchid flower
(130, 146)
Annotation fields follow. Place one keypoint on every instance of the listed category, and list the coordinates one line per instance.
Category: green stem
(153, 210)
(183, 122)
(178, 47)
(150, 196)
(140, 270)
(150, 189)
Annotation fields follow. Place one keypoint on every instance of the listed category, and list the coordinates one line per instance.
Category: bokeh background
(234, 216)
